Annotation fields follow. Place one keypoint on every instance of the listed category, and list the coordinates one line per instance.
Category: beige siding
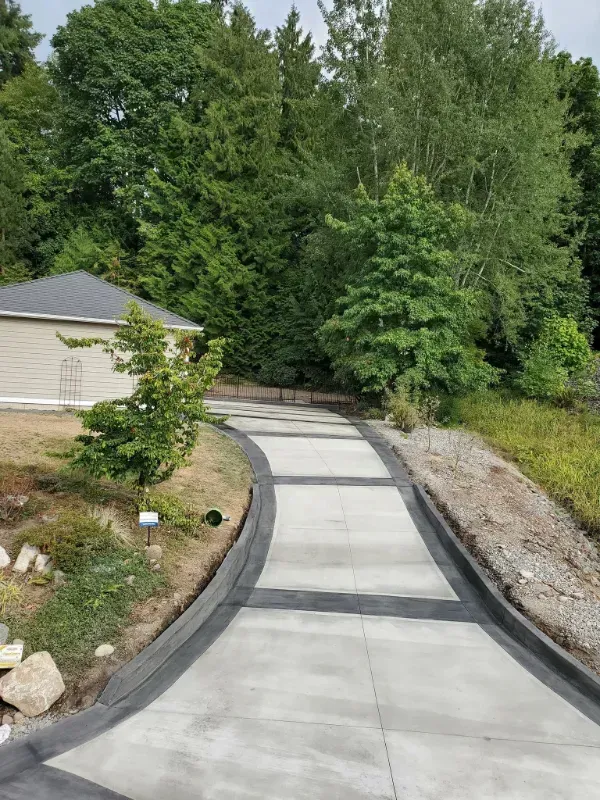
(31, 358)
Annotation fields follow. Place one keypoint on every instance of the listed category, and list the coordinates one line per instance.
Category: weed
(172, 511)
(111, 517)
(10, 596)
(15, 490)
(556, 448)
(403, 413)
(89, 610)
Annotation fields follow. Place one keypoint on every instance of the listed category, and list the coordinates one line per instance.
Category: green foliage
(73, 541)
(149, 435)
(89, 610)
(404, 318)
(17, 40)
(403, 413)
(560, 362)
(172, 511)
(13, 222)
(557, 449)
(11, 596)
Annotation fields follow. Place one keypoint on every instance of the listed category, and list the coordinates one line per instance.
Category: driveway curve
(348, 664)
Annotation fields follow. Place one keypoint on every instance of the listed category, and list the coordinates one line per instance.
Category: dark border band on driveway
(519, 637)
(159, 665)
(371, 605)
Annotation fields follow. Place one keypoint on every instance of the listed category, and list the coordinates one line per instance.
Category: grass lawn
(557, 449)
(90, 527)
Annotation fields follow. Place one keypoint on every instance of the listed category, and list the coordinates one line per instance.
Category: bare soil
(537, 555)
(219, 475)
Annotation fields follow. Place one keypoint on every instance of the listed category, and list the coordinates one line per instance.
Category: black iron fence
(227, 386)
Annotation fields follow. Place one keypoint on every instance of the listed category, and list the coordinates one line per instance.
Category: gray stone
(522, 581)
(18, 641)
(526, 574)
(19, 718)
(4, 558)
(47, 518)
(563, 599)
(33, 686)
(25, 557)
(154, 552)
(59, 578)
(42, 562)
(156, 568)
(104, 651)
(7, 720)
(130, 580)
(4, 633)
(579, 595)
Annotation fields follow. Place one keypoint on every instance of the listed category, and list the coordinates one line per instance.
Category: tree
(213, 236)
(579, 84)
(17, 40)
(14, 233)
(403, 319)
(149, 435)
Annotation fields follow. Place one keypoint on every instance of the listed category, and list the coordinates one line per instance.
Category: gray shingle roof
(77, 295)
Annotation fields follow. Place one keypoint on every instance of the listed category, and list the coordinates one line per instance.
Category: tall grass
(558, 450)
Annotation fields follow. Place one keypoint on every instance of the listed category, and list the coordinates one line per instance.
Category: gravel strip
(537, 555)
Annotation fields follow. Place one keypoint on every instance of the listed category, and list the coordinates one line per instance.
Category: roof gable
(77, 296)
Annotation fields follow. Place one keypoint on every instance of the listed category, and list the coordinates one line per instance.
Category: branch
(74, 343)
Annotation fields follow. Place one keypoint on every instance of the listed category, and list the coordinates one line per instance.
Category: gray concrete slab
(322, 457)
(452, 678)
(288, 426)
(433, 767)
(187, 757)
(288, 665)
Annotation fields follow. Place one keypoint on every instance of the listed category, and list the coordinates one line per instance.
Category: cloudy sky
(575, 23)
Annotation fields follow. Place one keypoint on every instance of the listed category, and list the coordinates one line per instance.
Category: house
(36, 368)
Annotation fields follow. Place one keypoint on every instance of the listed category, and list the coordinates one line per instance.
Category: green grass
(558, 450)
(90, 610)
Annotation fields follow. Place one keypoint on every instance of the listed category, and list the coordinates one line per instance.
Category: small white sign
(148, 519)
(11, 655)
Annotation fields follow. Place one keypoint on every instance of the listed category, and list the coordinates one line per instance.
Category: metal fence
(244, 389)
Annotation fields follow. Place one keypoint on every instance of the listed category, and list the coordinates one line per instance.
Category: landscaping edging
(505, 614)
(160, 664)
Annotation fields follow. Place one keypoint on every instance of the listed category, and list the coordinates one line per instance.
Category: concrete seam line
(160, 664)
(506, 614)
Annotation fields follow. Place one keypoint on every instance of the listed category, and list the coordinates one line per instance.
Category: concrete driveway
(353, 668)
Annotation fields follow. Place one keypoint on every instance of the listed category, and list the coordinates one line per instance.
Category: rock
(18, 641)
(594, 581)
(563, 599)
(4, 633)
(156, 568)
(104, 650)
(19, 718)
(59, 578)
(526, 574)
(7, 720)
(25, 557)
(41, 563)
(579, 595)
(542, 596)
(4, 558)
(154, 552)
(47, 518)
(522, 581)
(33, 686)
(130, 580)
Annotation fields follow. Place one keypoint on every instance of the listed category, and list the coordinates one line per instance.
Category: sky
(574, 23)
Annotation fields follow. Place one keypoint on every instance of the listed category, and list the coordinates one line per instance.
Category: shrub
(72, 541)
(172, 511)
(560, 364)
(403, 413)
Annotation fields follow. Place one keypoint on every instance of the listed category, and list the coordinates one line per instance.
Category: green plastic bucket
(213, 517)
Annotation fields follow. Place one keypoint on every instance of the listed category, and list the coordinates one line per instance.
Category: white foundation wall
(32, 358)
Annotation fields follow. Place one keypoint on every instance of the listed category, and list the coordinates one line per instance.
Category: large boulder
(4, 558)
(25, 557)
(33, 686)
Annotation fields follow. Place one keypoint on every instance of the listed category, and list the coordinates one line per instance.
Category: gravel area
(31, 725)
(541, 560)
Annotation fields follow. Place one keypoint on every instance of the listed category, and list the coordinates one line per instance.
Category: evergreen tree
(17, 40)
(213, 240)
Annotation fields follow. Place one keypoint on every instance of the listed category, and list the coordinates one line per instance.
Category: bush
(172, 511)
(403, 413)
(72, 541)
(560, 364)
